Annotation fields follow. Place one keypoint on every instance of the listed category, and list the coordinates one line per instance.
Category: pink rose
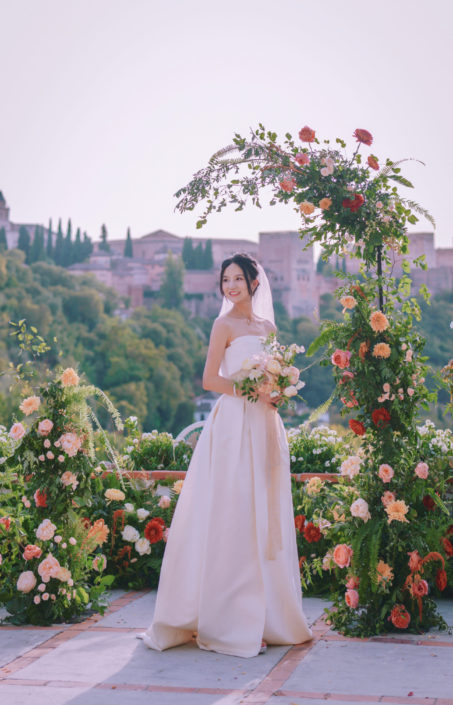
(70, 443)
(421, 470)
(293, 374)
(48, 568)
(17, 431)
(47, 443)
(387, 498)
(359, 509)
(352, 599)
(410, 391)
(44, 427)
(50, 455)
(41, 458)
(164, 502)
(353, 582)
(26, 581)
(302, 159)
(342, 555)
(341, 358)
(385, 472)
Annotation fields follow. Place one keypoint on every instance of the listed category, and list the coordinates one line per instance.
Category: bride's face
(234, 284)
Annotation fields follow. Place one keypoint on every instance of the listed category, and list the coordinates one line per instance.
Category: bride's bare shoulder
(221, 326)
(268, 326)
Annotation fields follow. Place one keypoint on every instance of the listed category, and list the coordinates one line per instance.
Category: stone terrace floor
(100, 662)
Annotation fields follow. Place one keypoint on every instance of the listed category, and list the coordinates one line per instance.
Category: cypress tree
(104, 245)
(49, 246)
(3, 240)
(66, 258)
(187, 252)
(37, 250)
(23, 242)
(87, 246)
(58, 251)
(208, 258)
(198, 257)
(172, 288)
(128, 252)
(77, 253)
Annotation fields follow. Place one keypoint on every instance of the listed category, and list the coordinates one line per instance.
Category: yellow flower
(69, 378)
(325, 203)
(177, 486)
(381, 350)
(29, 405)
(397, 511)
(384, 573)
(314, 485)
(306, 208)
(114, 495)
(379, 321)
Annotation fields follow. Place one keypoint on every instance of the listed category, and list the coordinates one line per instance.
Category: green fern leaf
(421, 211)
(321, 409)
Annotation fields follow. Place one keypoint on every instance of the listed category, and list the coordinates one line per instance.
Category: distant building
(12, 229)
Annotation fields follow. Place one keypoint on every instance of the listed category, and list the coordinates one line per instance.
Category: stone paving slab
(137, 615)
(93, 657)
(375, 669)
(15, 642)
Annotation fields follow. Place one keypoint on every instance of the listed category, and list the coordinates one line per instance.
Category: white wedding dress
(230, 571)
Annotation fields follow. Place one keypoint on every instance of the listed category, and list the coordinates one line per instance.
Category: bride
(230, 571)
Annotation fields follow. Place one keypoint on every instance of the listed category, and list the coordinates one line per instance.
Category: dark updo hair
(248, 266)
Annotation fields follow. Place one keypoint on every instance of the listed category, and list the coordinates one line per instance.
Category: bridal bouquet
(271, 372)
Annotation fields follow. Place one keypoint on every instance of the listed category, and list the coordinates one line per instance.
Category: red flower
(31, 551)
(400, 617)
(419, 588)
(302, 159)
(428, 502)
(380, 417)
(373, 162)
(302, 560)
(355, 203)
(299, 522)
(40, 498)
(363, 136)
(312, 533)
(154, 530)
(287, 184)
(357, 427)
(450, 530)
(6, 522)
(447, 546)
(441, 579)
(306, 134)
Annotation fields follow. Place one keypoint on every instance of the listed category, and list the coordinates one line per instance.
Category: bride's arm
(212, 381)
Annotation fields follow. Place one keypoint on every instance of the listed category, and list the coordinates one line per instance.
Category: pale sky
(109, 106)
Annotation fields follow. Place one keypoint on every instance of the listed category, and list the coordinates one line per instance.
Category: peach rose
(359, 509)
(68, 478)
(306, 134)
(26, 581)
(387, 498)
(381, 350)
(17, 431)
(421, 470)
(341, 358)
(293, 374)
(29, 405)
(287, 184)
(306, 208)
(31, 551)
(379, 321)
(325, 203)
(69, 378)
(302, 158)
(62, 574)
(49, 568)
(342, 555)
(70, 443)
(44, 427)
(273, 366)
(164, 502)
(348, 302)
(45, 530)
(385, 472)
(352, 599)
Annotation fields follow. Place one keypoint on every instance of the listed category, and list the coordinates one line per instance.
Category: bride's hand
(267, 399)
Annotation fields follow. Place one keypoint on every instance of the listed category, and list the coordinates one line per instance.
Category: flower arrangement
(272, 372)
(154, 450)
(320, 449)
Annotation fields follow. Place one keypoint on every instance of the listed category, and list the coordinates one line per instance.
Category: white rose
(290, 391)
(130, 533)
(273, 366)
(142, 514)
(26, 581)
(142, 546)
(300, 385)
(129, 507)
(359, 509)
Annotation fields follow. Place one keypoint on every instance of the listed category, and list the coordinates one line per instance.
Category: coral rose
(352, 599)
(400, 617)
(48, 568)
(306, 208)
(342, 555)
(380, 417)
(447, 546)
(379, 321)
(357, 427)
(6, 522)
(387, 497)
(359, 509)
(419, 588)
(396, 511)
(29, 405)
(287, 184)
(341, 358)
(325, 203)
(40, 498)
(44, 427)
(31, 551)
(302, 158)
(17, 431)
(26, 581)
(312, 533)
(385, 472)
(70, 378)
(306, 134)
(353, 582)
(441, 579)
(348, 302)
(363, 136)
(154, 531)
(299, 522)
(382, 350)
(421, 470)
(373, 162)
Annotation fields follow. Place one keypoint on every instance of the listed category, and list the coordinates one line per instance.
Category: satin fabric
(223, 576)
